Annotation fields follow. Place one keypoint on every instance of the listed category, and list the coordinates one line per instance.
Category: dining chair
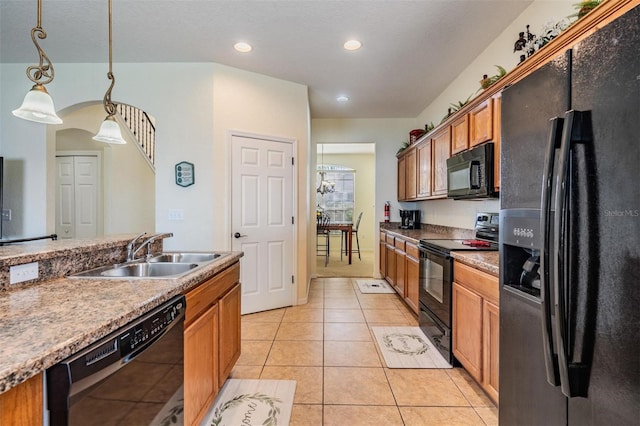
(354, 232)
(322, 237)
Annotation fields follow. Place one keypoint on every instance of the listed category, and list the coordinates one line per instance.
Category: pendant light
(38, 105)
(110, 130)
(325, 186)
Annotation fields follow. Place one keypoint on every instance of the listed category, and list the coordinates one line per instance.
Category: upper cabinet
(481, 123)
(460, 134)
(441, 147)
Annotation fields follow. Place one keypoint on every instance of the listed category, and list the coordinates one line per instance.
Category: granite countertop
(45, 323)
(486, 261)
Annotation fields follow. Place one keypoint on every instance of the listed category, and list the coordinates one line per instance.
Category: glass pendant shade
(110, 132)
(38, 106)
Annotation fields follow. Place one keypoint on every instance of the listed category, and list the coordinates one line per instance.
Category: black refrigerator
(570, 236)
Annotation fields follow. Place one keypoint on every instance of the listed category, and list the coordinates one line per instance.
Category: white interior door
(262, 221)
(77, 196)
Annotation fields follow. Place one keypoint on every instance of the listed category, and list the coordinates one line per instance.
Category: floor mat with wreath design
(407, 347)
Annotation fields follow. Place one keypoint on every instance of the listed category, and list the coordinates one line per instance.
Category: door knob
(238, 235)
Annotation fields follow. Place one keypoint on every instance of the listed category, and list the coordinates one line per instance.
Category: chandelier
(325, 186)
(110, 130)
(38, 105)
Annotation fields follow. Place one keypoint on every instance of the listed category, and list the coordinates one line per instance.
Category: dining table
(344, 227)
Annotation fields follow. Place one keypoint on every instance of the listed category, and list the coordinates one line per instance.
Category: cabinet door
(22, 404)
(413, 283)
(467, 330)
(491, 348)
(391, 264)
(481, 123)
(460, 134)
(399, 282)
(411, 177)
(424, 169)
(441, 151)
(497, 111)
(229, 331)
(200, 369)
(383, 258)
(402, 172)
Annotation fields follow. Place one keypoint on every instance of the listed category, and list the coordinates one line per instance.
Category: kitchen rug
(407, 347)
(252, 403)
(374, 286)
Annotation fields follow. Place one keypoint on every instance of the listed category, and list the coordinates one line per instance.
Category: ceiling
(411, 50)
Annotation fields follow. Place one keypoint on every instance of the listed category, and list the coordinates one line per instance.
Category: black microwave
(470, 173)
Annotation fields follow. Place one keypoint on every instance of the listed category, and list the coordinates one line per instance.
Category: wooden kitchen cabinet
(424, 168)
(402, 181)
(200, 365)
(460, 134)
(23, 404)
(412, 277)
(497, 112)
(476, 323)
(481, 123)
(491, 348)
(441, 147)
(467, 330)
(211, 340)
(390, 272)
(411, 175)
(399, 281)
(229, 328)
(383, 254)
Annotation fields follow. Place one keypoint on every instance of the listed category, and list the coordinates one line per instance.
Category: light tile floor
(328, 348)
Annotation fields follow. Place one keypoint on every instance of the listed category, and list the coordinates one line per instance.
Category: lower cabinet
(211, 340)
(23, 404)
(476, 325)
(399, 266)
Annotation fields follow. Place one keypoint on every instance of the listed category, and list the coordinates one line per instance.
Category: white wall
(499, 52)
(128, 179)
(253, 103)
(387, 135)
(364, 165)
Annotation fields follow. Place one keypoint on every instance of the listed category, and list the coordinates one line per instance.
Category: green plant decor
(458, 106)
(429, 127)
(486, 81)
(584, 7)
(404, 146)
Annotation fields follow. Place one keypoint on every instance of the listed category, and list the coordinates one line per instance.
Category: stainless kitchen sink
(164, 265)
(184, 257)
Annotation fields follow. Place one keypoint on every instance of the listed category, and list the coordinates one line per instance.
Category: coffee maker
(409, 219)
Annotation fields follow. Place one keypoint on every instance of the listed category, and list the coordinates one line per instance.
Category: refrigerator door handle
(550, 357)
(572, 375)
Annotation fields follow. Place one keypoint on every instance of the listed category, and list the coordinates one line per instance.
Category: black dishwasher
(134, 376)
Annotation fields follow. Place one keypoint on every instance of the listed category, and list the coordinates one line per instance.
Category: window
(339, 204)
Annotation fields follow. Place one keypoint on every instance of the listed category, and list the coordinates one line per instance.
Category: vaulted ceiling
(410, 50)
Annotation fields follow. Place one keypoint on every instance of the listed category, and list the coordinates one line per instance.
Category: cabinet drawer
(383, 236)
(399, 244)
(203, 296)
(390, 239)
(482, 283)
(412, 250)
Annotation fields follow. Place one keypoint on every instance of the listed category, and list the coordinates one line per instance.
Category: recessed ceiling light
(342, 99)
(242, 47)
(352, 45)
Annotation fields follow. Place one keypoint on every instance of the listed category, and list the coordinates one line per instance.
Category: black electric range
(487, 227)
(436, 279)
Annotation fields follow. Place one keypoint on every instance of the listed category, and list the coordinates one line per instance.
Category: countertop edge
(485, 261)
(13, 373)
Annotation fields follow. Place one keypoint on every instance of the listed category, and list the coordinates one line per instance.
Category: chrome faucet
(147, 243)
(131, 245)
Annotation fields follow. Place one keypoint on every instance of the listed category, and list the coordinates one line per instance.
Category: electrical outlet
(176, 214)
(21, 273)
(6, 214)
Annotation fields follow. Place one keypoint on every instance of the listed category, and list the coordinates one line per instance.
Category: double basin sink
(163, 265)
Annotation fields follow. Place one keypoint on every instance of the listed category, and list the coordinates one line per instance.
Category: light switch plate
(25, 272)
(176, 214)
